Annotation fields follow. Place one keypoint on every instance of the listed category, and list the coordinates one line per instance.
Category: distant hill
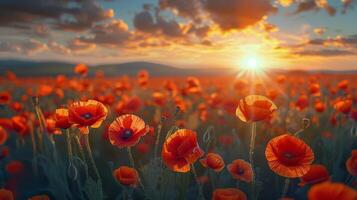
(52, 68)
(34, 68)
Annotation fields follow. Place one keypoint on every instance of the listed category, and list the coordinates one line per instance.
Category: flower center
(126, 134)
(87, 115)
(288, 155)
(240, 171)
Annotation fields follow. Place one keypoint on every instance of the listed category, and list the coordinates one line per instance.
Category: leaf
(93, 189)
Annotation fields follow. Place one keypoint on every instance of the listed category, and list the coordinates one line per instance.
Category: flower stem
(69, 146)
(80, 149)
(200, 191)
(286, 187)
(251, 154)
(131, 158)
(132, 163)
(34, 148)
(90, 157)
(159, 127)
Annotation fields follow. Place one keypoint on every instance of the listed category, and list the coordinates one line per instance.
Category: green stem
(34, 148)
(132, 163)
(90, 157)
(159, 127)
(251, 154)
(200, 191)
(286, 187)
(69, 145)
(131, 158)
(80, 149)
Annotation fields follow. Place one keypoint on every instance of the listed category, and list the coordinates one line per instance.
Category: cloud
(113, 33)
(71, 15)
(41, 30)
(27, 47)
(268, 27)
(59, 48)
(77, 45)
(145, 22)
(286, 3)
(237, 14)
(325, 53)
(320, 31)
(347, 4)
(350, 40)
(309, 5)
(189, 9)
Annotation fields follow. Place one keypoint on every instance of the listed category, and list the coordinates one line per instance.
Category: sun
(251, 63)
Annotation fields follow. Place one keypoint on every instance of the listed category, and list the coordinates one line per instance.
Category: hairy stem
(90, 157)
(286, 187)
(251, 154)
(200, 191)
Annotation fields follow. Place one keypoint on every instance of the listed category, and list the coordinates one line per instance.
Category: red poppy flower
(213, 161)
(3, 135)
(61, 118)
(127, 130)
(302, 102)
(81, 69)
(44, 90)
(159, 98)
(126, 176)
(331, 191)
(316, 174)
(6, 194)
(289, 156)
(351, 163)
(315, 88)
(228, 194)
(14, 167)
(241, 170)
(255, 108)
(51, 127)
(19, 124)
(5, 97)
(343, 85)
(6, 123)
(87, 113)
(180, 150)
(40, 197)
(320, 107)
(343, 106)
(143, 148)
(16, 106)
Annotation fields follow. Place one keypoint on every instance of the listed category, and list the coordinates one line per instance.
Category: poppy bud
(305, 123)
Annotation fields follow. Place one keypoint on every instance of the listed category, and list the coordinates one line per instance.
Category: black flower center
(87, 115)
(240, 171)
(288, 155)
(126, 134)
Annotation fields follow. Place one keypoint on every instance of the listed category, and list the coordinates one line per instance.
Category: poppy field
(290, 136)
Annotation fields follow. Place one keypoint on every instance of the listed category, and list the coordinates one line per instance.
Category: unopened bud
(305, 123)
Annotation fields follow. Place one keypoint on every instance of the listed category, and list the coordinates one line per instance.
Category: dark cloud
(237, 14)
(72, 15)
(325, 53)
(144, 21)
(184, 8)
(310, 5)
(339, 41)
(114, 33)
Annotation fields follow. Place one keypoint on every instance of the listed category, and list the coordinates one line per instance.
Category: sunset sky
(290, 34)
